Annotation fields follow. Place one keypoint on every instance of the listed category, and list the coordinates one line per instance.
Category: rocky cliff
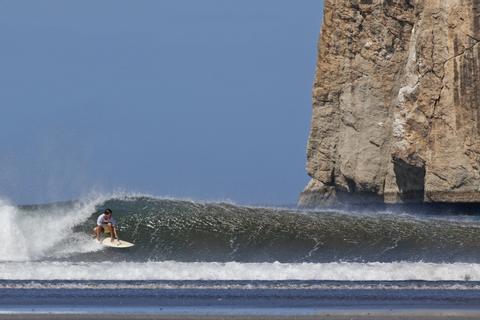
(396, 103)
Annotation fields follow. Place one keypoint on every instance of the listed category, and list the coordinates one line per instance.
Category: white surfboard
(116, 243)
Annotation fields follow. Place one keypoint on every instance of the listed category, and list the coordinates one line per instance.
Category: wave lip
(171, 270)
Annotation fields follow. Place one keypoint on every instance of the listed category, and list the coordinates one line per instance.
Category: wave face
(191, 231)
(188, 231)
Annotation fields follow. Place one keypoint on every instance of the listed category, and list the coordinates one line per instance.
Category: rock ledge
(396, 103)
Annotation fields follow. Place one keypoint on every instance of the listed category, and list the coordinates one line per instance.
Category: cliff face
(396, 103)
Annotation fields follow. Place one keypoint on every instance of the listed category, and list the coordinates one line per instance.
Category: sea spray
(13, 245)
(39, 232)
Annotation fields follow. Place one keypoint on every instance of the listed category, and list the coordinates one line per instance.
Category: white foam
(171, 270)
(25, 236)
(12, 240)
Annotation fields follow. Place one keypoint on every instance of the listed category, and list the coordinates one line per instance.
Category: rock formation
(396, 103)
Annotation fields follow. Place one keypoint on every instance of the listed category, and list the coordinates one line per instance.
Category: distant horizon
(205, 101)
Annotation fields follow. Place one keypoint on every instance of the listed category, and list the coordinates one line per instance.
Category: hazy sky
(204, 99)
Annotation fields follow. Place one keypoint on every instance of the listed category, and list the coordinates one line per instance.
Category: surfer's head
(108, 211)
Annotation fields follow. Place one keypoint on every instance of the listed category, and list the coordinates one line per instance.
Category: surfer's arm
(100, 220)
(113, 228)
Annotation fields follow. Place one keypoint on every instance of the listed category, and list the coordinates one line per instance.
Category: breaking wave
(189, 231)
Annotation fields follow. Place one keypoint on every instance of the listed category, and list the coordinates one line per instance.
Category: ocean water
(206, 258)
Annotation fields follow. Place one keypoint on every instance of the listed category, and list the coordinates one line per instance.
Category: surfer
(106, 223)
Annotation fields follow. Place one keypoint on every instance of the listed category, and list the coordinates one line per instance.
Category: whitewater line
(171, 270)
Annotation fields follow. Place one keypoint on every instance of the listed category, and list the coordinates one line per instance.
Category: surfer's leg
(112, 230)
(98, 231)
